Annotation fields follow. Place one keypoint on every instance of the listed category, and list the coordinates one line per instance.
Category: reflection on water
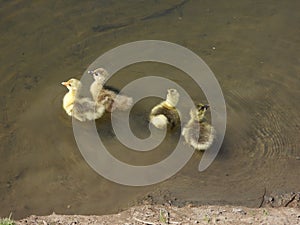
(250, 46)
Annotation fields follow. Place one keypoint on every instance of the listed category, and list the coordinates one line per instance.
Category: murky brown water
(251, 46)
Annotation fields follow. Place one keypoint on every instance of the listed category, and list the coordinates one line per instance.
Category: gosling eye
(70, 85)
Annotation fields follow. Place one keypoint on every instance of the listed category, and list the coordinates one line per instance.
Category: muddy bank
(164, 214)
(273, 200)
(277, 209)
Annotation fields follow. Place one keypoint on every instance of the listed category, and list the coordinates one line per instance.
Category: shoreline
(168, 214)
(274, 209)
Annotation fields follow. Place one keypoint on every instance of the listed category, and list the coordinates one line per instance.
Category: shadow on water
(251, 48)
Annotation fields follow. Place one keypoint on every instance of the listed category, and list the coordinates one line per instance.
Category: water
(252, 47)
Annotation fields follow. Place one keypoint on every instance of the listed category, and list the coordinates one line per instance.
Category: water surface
(251, 46)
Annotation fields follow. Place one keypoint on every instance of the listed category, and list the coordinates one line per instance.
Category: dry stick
(263, 198)
(143, 221)
(150, 223)
(292, 199)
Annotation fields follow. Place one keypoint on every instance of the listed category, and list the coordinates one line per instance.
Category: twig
(263, 198)
(143, 221)
(292, 199)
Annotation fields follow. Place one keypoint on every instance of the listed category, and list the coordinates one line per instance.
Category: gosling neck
(172, 100)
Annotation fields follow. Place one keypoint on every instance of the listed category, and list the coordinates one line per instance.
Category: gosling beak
(65, 83)
(206, 106)
(200, 106)
(90, 72)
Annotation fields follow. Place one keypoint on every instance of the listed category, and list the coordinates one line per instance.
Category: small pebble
(298, 157)
(234, 210)
(214, 48)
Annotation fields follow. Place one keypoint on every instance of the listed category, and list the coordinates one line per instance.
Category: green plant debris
(7, 221)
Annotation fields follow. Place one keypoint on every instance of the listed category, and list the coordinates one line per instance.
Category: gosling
(99, 92)
(198, 133)
(82, 109)
(165, 114)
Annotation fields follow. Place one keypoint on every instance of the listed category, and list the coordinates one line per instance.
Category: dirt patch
(166, 214)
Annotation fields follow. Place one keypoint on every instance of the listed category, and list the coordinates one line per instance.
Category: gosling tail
(160, 121)
(122, 102)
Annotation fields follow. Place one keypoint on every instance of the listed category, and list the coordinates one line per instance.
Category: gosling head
(201, 110)
(72, 84)
(172, 97)
(100, 75)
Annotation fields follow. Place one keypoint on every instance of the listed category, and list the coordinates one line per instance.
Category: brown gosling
(99, 92)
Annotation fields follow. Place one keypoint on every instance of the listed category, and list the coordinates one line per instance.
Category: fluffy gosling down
(165, 114)
(100, 92)
(197, 132)
(81, 108)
